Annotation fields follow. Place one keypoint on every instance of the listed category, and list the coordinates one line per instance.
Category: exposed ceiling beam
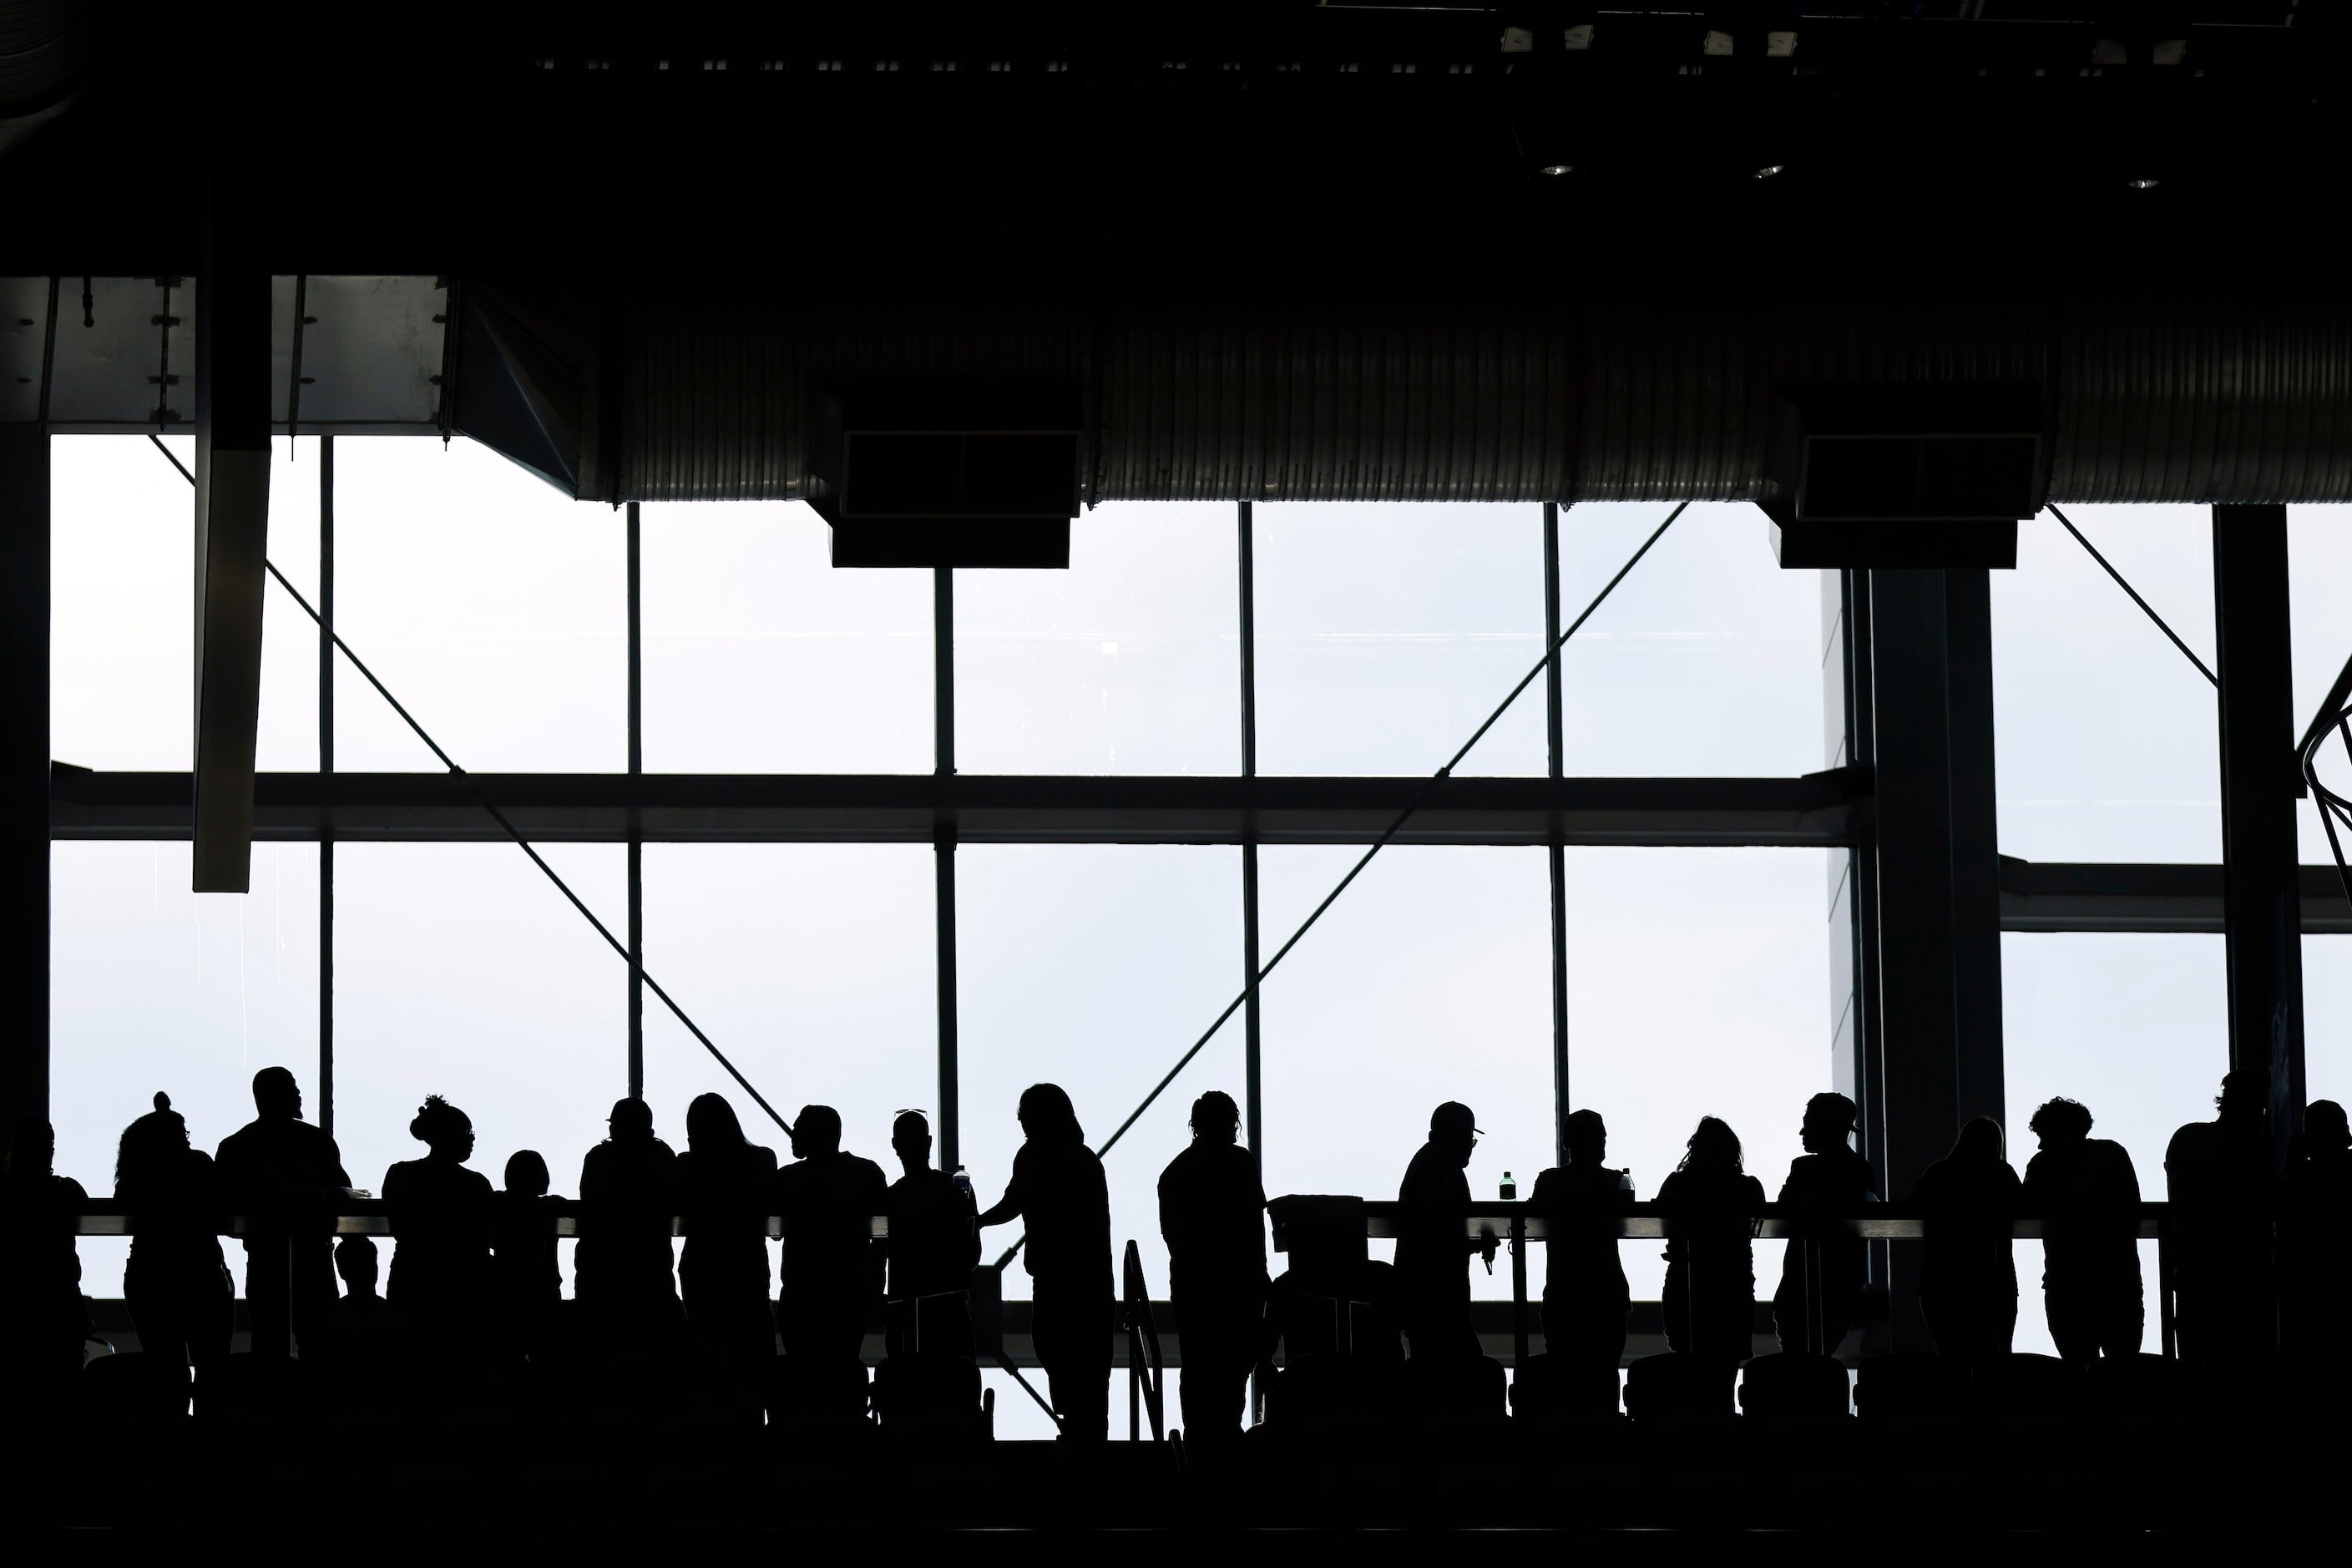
(1811, 811)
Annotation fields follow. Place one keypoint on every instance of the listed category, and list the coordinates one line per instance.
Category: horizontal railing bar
(1384, 1221)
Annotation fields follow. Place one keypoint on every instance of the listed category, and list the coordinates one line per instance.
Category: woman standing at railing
(441, 1214)
(177, 1284)
(1710, 1293)
(1057, 1187)
(724, 1181)
(1967, 1272)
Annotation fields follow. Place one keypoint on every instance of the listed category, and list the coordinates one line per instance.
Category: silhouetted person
(286, 1178)
(1213, 1215)
(830, 1279)
(1334, 1297)
(1057, 1189)
(2088, 1196)
(42, 1320)
(2218, 1175)
(368, 1344)
(1823, 1271)
(623, 1270)
(725, 1181)
(934, 1246)
(2316, 1240)
(529, 1279)
(1585, 1296)
(1433, 1251)
(1710, 1290)
(176, 1284)
(1968, 1275)
(441, 1215)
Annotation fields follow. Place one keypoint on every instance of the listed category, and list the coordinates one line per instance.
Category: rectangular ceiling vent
(949, 473)
(1904, 476)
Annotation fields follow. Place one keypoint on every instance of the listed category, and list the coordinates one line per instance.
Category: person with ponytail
(176, 1284)
(441, 1217)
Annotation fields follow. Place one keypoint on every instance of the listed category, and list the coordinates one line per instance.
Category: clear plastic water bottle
(1510, 1189)
(963, 1184)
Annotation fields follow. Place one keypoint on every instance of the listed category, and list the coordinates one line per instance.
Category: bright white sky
(1699, 978)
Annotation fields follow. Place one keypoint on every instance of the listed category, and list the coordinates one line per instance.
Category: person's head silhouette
(444, 1129)
(2245, 1096)
(34, 1150)
(355, 1261)
(816, 1133)
(1048, 1117)
(1828, 1121)
(150, 1144)
(632, 1121)
(1587, 1137)
(1713, 1147)
(277, 1095)
(1453, 1126)
(527, 1173)
(1980, 1142)
(2061, 1124)
(910, 1137)
(1216, 1118)
(712, 1126)
(2325, 1128)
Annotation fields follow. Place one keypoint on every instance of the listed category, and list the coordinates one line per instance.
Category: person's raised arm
(1007, 1208)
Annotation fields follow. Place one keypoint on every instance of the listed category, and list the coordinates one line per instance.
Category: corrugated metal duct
(2201, 403)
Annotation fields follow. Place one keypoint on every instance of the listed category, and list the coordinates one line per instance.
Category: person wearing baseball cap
(1432, 1255)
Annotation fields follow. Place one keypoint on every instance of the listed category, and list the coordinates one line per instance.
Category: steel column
(24, 768)
(637, 1067)
(2259, 785)
(1554, 852)
(1938, 994)
(944, 844)
(1253, 1117)
(326, 786)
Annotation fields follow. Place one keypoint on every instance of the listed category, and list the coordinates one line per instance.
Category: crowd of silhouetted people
(475, 1282)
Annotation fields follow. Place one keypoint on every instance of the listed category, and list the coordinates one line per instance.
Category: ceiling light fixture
(1768, 170)
(1557, 169)
(2141, 185)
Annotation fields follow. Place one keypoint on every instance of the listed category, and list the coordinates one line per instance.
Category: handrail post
(1519, 1289)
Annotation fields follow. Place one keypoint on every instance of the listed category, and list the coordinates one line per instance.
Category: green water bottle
(1510, 1189)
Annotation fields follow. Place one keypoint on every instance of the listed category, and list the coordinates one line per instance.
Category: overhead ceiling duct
(2196, 401)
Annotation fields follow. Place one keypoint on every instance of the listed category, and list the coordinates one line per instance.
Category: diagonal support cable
(1420, 798)
(500, 818)
(2143, 604)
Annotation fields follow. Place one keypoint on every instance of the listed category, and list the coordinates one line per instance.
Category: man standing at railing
(1213, 1213)
(1432, 1254)
(830, 1276)
(2088, 1196)
(934, 1246)
(2218, 1174)
(1823, 1269)
(286, 1178)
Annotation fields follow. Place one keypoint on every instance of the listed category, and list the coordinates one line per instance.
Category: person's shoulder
(1546, 1179)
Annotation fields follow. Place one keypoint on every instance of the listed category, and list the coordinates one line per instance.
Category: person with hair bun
(182, 1303)
(441, 1217)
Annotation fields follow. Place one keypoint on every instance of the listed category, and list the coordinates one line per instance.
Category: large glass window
(2105, 736)
(460, 970)
(1126, 663)
(494, 607)
(2135, 1027)
(123, 607)
(761, 658)
(1706, 659)
(1387, 632)
(1430, 980)
(811, 966)
(2319, 552)
(1694, 986)
(153, 988)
